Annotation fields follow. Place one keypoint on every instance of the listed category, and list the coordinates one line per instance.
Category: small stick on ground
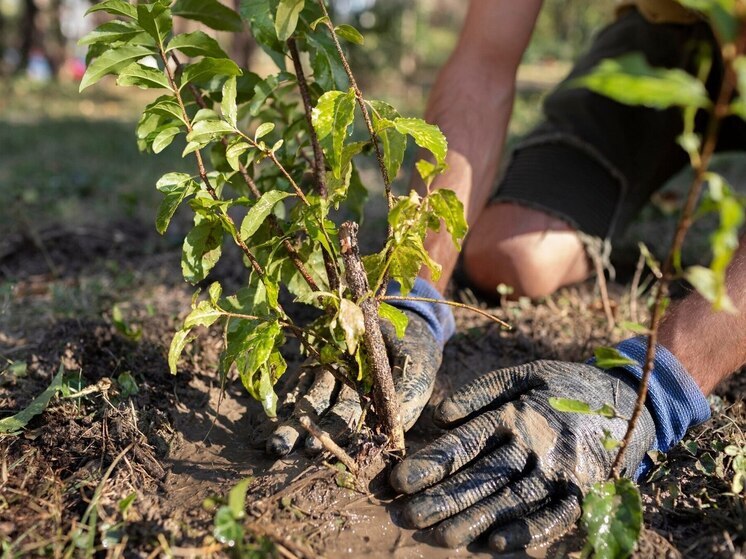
(330, 445)
(384, 393)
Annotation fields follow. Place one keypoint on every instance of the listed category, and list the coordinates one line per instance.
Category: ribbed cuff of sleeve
(438, 317)
(674, 399)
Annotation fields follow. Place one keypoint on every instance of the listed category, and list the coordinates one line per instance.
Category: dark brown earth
(176, 442)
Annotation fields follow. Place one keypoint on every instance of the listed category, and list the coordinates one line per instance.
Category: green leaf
(17, 422)
(228, 104)
(176, 187)
(721, 14)
(332, 117)
(568, 405)
(127, 330)
(210, 12)
(393, 142)
(263, 129)
(114, 7)
(635, 327)
(259, 212)
(227, 530)
(178, 343)
(396, 317)
(328, 71)
(202, 250)
(260, 345)
(630, 80)
(111, 62)
(208, 68)
(711, 286)
(612, 517)
(235, 149)
(127, 385)
(204, 314)
(349, 33)
(237, 498)
(165, 105)
(165, 138)
(155, 19)
(205, 131)
(286, 19)
(427, 136)
(114, 32)
(196, 43)
(258, 14)
(351, 321)
(609, 357)
(448, 207)
(143, 77)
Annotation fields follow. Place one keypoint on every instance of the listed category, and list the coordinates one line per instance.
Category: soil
(179, 444)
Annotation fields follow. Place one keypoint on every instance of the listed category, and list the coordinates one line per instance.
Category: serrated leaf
(609, 357)
(143, 77)
(208, 68)
(204, 314)
(351, 321)
(332, 117)
(259, 212)
(210, 12)
(393, 142)
(446, 205)
(349, 33)
(612, 517)
(396, 317)
(286, 19)
(155, 19)
(111, 62)
(17, 422)
(427, 136)
(201, 251)
(196, 43)
(114, 7)
(113, 32)
(630, 80)
(178, 343)
(228, 104)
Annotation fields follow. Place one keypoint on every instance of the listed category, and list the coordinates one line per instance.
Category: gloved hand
(532, 463)
(415, 360)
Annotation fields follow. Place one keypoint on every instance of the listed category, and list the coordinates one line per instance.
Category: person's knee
(527, 250)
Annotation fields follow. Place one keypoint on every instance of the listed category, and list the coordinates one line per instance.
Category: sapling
(276, 160)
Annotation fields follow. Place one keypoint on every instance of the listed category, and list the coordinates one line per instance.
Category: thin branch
(361, 104)
(719, 111)
(332, 270)
(332, 447)
(471, 308)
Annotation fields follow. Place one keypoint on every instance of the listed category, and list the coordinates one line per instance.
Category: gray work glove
(415, 360)
(531, 463)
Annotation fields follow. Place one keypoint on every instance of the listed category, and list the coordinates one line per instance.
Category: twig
(332, 447)
(471, 308)
(603, 288)
(668, 273)
(332, 270)
(384, 393)
(361, 104)
(634, 288)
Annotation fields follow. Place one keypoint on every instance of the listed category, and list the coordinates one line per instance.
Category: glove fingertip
(406, 478)
(448, 412)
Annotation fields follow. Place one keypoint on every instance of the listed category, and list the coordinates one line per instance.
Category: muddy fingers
(539, 528)
(514, 501)
(466, 488)
(340, 421)
(313, 403)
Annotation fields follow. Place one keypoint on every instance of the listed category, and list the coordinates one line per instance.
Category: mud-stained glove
(415, 360)
(518, 468)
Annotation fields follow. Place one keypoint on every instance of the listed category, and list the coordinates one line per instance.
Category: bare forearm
(471, 101)
(710, 344)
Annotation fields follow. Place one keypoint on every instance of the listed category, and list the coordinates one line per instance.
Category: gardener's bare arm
(710, 345)
(472, 100)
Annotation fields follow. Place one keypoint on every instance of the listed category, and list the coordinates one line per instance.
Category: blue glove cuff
(674, 399)
(437, 316)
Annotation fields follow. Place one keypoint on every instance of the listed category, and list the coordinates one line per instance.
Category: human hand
(415, 360)
(532, 463)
